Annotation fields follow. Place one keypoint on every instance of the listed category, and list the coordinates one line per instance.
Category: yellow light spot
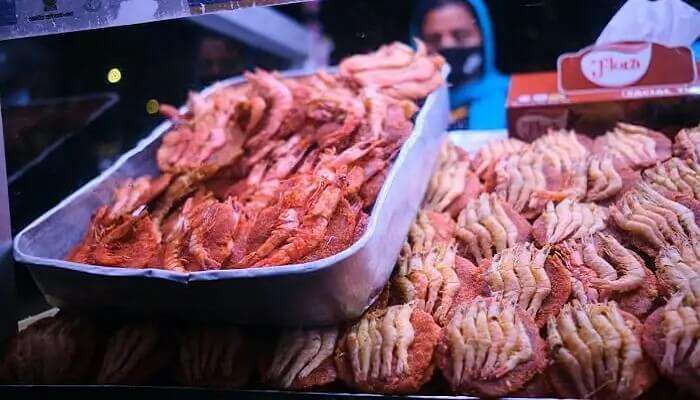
(114, 75)
(152, 106)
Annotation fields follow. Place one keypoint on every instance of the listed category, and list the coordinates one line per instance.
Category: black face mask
(466, 63)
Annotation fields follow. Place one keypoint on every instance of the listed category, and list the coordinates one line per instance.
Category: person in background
(460, 30)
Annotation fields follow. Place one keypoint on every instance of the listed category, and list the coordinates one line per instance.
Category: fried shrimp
(398, 345)
(491, 347)
(599, 348)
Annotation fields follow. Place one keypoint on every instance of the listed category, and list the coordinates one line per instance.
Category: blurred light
(114, 75)
(152, 106)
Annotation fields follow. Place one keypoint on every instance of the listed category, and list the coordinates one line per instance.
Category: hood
(492, 82)
(482, 16)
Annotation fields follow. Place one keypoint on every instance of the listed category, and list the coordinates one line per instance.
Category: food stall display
(565, 298)
(296, 222)
(319, 233)
(273, 171)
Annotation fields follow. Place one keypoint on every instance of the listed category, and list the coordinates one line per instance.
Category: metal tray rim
(260, 272)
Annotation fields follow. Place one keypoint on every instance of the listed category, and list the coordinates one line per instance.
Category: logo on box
(616, 68)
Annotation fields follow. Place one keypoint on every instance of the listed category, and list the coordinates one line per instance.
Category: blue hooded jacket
(485, 96)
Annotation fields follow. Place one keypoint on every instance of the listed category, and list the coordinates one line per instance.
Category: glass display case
(287, 199)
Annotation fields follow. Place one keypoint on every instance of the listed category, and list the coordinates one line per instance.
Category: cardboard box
(641, 83)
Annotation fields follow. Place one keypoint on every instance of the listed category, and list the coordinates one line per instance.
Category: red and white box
(638, 82)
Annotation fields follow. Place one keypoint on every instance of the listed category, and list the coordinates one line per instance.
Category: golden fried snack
(453, 183)
(686, 145)
(563, 148)
(675, 175)
(213, 356)
(441, 280)
(650, 220)
(289, 162)
(552, 168)
(134, 193)
(60, 350)
(568, 220)
(129, 240)
(134, 354)
(609, 178)
(430, 230)
(388, 351)
(597, 353)
(637, 146)
(396, 69)
(302, 360)
(491, 347)
(203, 235)
(670, 338)
(429, 272)
(488, 225)
(602, 269)
(677, 267)
(540, 283)
(485, 160)
(204, 135)
(518, 177)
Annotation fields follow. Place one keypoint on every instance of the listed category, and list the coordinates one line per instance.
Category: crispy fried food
(491, 347)
(429, 273)
(609, 178)
(60, 350)
(677, 268)
(675, 175)
(670, 340)
(280, 100)
(134, 193)
(388, 351)
(303, 360)
(653, 220)
(485, 160)
(563, 149)
(637, 146)
(453, 183)
(214, 356)
(340, 233)
(134, 354)
(540, 283)
(339, 113)
(568, 220)
(686, 145)
(203, 236)
(552, 168)
(597, 353)
(130, 240)
(396, 69)
(518, 177)
(206, 136)
(487, 225)
(602, 269)
(565, 155)
(289, 161)
(437, 282)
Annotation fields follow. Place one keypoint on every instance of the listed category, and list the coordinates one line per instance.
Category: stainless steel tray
(323, 292)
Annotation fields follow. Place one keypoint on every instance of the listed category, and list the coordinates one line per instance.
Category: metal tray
(322, 292)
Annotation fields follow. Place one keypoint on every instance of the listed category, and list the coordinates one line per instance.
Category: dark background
(530, 34)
